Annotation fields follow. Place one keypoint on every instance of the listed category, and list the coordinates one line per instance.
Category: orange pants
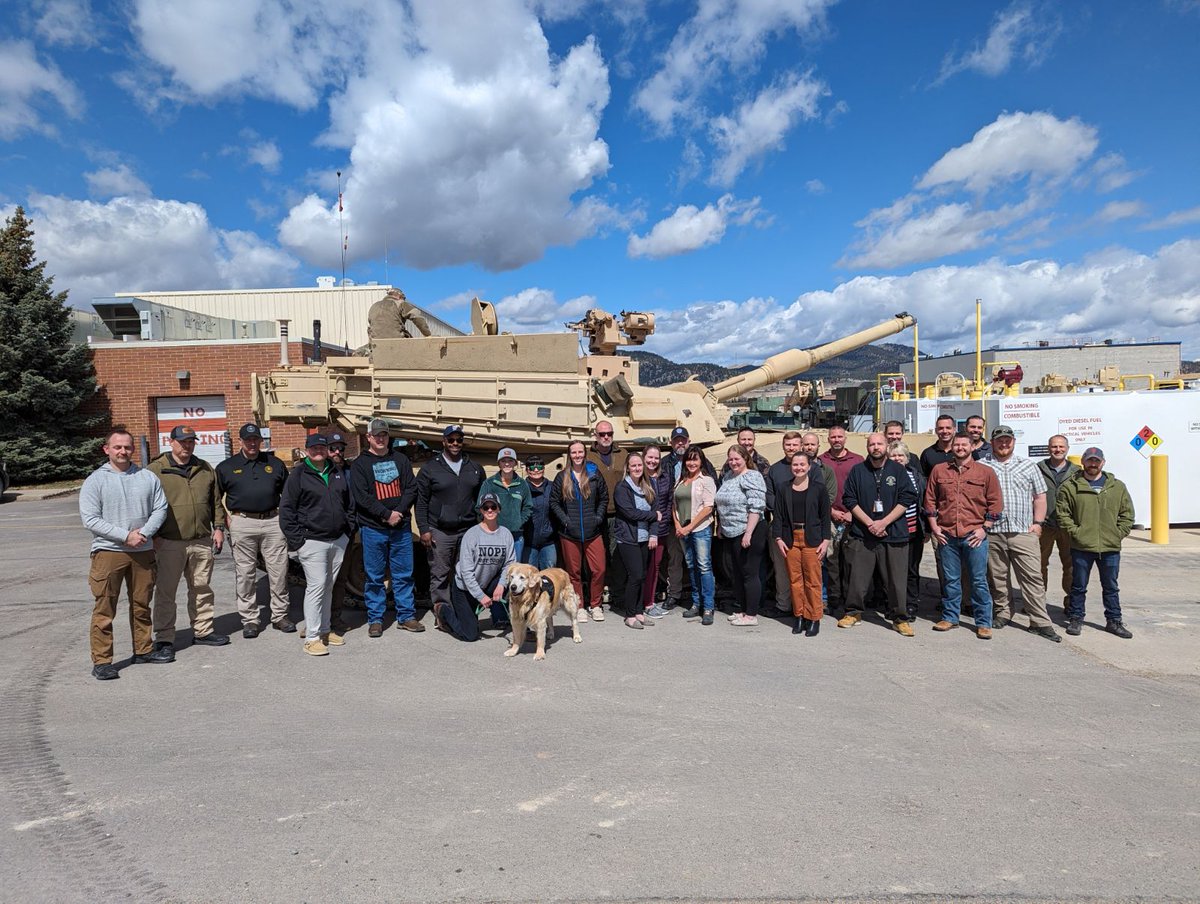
(110, 571)
(804, 573)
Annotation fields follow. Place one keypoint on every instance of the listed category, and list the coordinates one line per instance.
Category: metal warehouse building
(1077, 362)
(342, 310)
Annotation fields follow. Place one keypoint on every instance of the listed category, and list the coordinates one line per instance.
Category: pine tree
(45, 378)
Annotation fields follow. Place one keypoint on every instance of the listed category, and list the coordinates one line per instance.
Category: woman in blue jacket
(637, 519)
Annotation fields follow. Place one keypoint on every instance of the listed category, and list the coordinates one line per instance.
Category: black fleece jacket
(446, 500)
(314, 506)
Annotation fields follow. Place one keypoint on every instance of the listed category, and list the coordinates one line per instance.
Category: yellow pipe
(917, 365)
(979, 358)
(1160, 532)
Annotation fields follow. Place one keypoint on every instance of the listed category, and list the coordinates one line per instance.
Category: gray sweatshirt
(112, 503)
(483, 560)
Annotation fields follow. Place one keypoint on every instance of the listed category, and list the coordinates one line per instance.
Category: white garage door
(204, 414)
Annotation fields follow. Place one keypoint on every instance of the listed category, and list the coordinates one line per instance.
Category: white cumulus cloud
(537, 310)
(1120, 292)
(1008, 172)
(119, 179)
(1017, 32)
(690, 228)
(760, 125)
(69, 23)
(143, 244)
(469, 142)
(723, 35)
(1013, 146)
(27, 86)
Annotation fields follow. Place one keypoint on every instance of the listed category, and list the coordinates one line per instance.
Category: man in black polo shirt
(939, 453)
(877, 494)
(252, 482)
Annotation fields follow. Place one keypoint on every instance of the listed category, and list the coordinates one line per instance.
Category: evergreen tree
(45, 378)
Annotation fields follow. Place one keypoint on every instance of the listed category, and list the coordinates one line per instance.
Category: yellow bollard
(1160, 531)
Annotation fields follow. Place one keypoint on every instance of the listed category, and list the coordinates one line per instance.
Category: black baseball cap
(182, 432)
(680, 432)
(316, 439)
(489, 498)
(336, 439)
(453, 429)
(250, 431)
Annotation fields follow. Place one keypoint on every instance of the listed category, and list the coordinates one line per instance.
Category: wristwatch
(1039, 523)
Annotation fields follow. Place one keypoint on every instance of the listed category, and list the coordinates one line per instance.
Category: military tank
(531, 391)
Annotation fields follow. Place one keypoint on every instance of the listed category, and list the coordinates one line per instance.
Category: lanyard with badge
(878, 475)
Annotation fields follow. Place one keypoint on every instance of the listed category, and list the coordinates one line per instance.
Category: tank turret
(534, 392)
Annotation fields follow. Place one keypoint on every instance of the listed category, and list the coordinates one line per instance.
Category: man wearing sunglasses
(447, 488)
(610, 461)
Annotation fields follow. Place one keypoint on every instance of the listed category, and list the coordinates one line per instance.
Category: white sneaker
(598, 613)
(581, 616)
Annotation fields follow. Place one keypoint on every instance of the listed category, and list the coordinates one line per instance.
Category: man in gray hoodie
(123, 506)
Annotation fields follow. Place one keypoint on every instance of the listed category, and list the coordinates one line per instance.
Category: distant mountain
(1189, 367)
(860, 364)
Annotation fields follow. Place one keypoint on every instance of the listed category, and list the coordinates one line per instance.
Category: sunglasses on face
(453, 441)
(337, 448)
(535, 468)
(489, 508)
(604, 433)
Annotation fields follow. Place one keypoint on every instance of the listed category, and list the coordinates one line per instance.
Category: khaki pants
(1019, 554)
(1052, 537)
(193, 561)
(248, 538)
(108, 572)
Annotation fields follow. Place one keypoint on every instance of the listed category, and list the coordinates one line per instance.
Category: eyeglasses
(337, 448)
(535, 467)
(489, 508)
(453, 441)
(604, 433)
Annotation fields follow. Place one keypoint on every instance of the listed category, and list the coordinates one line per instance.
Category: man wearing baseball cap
(250, 484)
(447, 488)
(314, 514)
(672, 466)
(1014, 538)
(384, 490)
(1096, 511)
(185, 545)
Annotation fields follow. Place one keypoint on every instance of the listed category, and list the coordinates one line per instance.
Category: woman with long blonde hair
(578, 504)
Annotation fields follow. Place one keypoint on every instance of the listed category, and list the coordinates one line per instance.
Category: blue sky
(760, 173)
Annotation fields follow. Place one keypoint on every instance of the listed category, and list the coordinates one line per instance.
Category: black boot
(801, 624)
(814, 628)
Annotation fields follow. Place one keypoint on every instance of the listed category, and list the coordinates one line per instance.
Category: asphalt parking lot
(680, 763)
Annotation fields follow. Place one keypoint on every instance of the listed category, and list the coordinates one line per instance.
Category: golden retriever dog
(533, 598)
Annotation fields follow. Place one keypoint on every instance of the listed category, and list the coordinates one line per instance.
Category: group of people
(644, 530)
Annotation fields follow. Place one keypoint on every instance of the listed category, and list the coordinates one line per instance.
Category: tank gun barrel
(795, 361)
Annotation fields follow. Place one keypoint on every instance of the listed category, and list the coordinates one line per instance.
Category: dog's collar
(548, 586)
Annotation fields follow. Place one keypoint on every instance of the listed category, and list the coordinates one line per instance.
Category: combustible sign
(1146, 441)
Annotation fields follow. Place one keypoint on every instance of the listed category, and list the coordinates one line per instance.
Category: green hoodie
(1095, 521)
(194, 505)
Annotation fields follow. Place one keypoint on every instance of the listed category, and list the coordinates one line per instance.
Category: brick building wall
(133, 376)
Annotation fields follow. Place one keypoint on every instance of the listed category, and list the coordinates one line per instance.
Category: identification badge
(878, 507)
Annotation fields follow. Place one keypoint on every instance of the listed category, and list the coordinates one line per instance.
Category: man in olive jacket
(184, 547)
(1095, 509)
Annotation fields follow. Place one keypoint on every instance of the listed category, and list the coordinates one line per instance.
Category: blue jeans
(697, 554)
(384, 548)
(541, 557)
(954, 554)
(1081, 572)
(518, 547)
